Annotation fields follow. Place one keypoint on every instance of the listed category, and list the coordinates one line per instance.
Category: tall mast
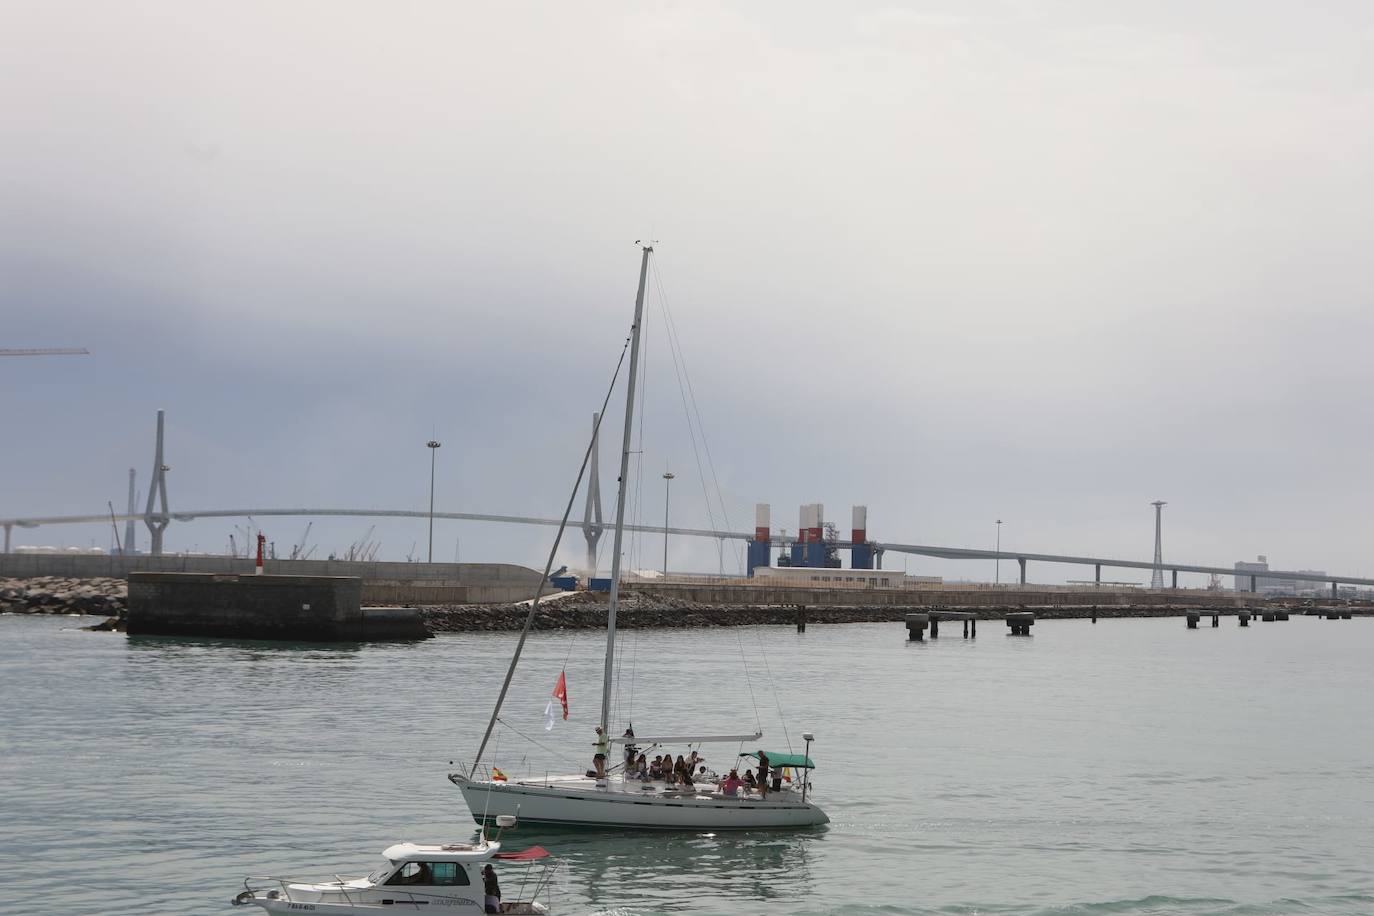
(620, 499)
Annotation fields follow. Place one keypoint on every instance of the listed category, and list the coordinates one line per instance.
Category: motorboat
(447, 877)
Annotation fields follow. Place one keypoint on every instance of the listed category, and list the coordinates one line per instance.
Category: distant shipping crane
(298, 550)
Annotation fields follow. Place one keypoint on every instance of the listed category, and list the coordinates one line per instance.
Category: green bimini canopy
(779, 759)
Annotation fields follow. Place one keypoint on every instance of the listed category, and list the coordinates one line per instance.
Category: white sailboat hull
(578, 802)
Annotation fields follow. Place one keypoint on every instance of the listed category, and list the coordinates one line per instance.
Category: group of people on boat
(686, 770)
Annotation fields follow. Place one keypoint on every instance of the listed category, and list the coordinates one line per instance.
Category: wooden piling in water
(1193, 618)
(1020, 623)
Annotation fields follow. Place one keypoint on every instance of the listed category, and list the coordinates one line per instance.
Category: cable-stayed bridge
(157, 516)
(1022, 557)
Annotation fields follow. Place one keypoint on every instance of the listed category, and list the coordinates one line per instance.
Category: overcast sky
(1044, 262)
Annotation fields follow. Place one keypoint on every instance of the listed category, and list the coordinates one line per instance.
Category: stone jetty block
(295, 608)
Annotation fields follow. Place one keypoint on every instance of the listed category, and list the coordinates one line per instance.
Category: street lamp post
(433, 446)
(997, 576)
(667, 479)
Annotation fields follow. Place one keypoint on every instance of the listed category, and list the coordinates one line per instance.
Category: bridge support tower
(130, 526)
(592, 526)
(157, 490)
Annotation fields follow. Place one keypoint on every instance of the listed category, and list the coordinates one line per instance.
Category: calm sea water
(1127, 767)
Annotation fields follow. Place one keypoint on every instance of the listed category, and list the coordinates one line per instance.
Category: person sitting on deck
(641, 768)
(749, 782)
(681, 776)
(656, 768)
(731, 784)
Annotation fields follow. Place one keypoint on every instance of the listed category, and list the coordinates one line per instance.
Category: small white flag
(548, 717)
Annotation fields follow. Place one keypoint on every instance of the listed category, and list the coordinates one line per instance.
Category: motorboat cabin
(449, 877)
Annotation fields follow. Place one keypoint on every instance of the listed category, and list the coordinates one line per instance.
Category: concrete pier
(969, 619)
(916, 627)
(295, 608)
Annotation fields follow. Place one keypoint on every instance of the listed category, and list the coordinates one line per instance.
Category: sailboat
(620, 800)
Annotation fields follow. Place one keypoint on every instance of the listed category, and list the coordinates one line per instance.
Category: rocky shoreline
(580, 611)
(642, 610)
(59, 595)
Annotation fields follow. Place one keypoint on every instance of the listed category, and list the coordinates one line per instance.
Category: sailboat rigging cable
(688, 393)
(536, 742)
(776, 700)
(548, 566)
(637, 538)
(758, 722)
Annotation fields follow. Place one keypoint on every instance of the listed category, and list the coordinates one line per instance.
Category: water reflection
(667, 870)
(262, 647)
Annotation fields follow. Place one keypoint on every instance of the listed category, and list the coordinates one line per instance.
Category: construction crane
(47, 351)
(298, 550)
(358, 550)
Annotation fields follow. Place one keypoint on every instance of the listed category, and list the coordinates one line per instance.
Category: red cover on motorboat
(524, 855)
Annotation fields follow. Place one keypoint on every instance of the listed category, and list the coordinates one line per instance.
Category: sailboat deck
(656, 789)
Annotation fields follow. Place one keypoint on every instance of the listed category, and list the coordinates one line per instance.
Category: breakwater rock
(59, 595)
(640, 610)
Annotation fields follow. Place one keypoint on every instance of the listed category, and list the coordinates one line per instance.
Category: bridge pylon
(131, 527)
(592, 525)
(157, 490)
